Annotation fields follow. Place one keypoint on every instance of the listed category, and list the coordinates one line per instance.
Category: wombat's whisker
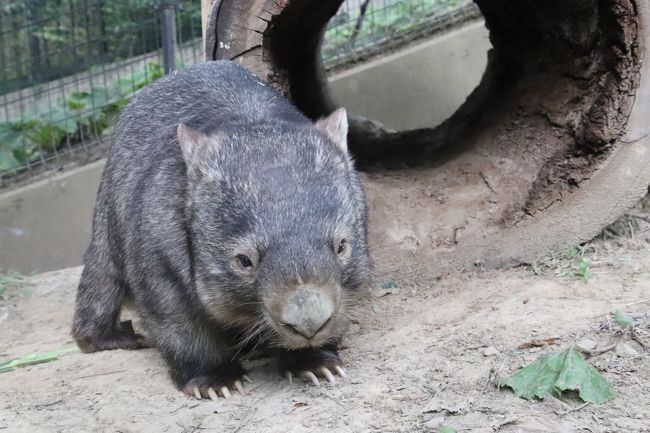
(248, 335)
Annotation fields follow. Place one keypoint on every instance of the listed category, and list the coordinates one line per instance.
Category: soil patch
(418, 358)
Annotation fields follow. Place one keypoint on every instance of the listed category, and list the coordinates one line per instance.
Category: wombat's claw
(328, 375)
(206, 387)
(309, 376)
(240, 387)
(225, 392)
(247, 379)
(211, 393)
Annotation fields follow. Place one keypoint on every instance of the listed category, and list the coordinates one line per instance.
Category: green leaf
(574, 251)
(580, 376)
(34, 358)
(536, 380)
(623, 320)
(564, 371)
(445, 429)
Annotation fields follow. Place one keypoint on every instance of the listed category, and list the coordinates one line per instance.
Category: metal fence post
(167, 10)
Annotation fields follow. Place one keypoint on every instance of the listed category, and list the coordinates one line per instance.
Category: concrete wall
(419, 86)
(46, 225)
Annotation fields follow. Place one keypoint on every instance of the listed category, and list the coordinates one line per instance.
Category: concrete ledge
(47, 225)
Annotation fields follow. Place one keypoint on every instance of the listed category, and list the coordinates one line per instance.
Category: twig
(643, 301)
(597, 351)
(636, 338)
(641, 217)
(574, 409)
(52, 403)
(488, 380)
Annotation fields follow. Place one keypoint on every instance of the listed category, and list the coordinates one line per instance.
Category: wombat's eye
(342, 247)
(244, 261)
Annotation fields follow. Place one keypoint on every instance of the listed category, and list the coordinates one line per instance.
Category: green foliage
(623, 320)
(576, 265)
(34, 358)
(381, 22)
(445, 429)
(81, 114)
(43, 40)
(564, 371)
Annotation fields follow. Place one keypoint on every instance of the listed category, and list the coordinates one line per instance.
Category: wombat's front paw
(217, 383)
(310, 364)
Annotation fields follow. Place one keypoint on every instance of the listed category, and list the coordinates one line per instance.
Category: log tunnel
(550, 147)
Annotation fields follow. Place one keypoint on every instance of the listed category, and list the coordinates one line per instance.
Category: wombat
(228, 220)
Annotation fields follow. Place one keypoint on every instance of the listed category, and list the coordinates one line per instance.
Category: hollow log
(550, 147)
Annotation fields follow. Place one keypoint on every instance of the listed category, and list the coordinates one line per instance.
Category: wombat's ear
(196, 147)
(336, 127)
(191, 142)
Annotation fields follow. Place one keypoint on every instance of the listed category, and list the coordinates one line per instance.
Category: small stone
(490, 351)
(586, 344)
(624, 350)
(387, 288)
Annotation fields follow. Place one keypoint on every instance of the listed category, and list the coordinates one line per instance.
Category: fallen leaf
(538, 343)
(564, 371)
(451, 405)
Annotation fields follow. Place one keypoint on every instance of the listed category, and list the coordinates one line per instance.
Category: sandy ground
(418, 359)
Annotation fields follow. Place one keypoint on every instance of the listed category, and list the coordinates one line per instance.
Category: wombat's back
(205, 96)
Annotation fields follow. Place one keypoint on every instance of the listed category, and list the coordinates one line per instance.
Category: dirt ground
(417, 359)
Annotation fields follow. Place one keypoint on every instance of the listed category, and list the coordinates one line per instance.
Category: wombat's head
(278, 228)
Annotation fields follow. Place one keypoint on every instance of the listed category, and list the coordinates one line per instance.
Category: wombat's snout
(306, 311)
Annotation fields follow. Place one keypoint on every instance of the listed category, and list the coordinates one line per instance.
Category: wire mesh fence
(67, 67)
(363, 28)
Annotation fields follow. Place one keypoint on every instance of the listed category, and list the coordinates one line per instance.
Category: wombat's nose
(307, 311)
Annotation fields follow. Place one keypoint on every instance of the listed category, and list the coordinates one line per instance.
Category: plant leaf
(577, 375)
(34, 358)
(623, 320)
(564, 371)
(537, 379)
